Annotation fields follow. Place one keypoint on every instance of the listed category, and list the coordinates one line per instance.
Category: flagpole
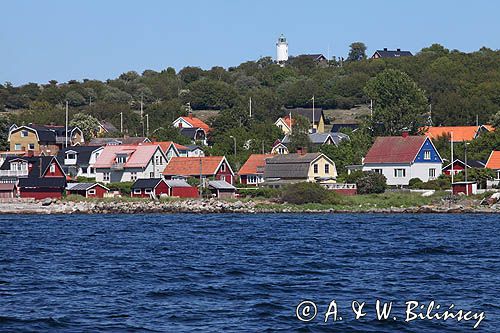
(452, 160)
(66, 144)
(313, 116)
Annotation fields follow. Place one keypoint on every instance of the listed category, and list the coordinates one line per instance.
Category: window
(147, 191)
(91, 170)
(252, 179)
(427, 154)
(281, 151)
(137, 191)
(432, 173)
(24, 134)
(70, 156)
(151, 175)
(315, 168)
(105, 176)
(399, 173)
(133, 175)
(52, 168)
(17, 146)
(327, 168)
(121, 159)
(223, 167)
(91, 192)
(31, 146)
(377, 171)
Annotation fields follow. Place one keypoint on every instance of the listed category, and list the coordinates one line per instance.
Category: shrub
(125, 187)
(301, 193)
(415, 183)
(371, 182)
(354, 176)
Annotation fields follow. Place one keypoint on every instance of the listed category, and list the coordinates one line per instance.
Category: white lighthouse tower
(281, 50)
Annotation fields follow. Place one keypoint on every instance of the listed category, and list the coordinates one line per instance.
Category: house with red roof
(459, 133)
(284, 124)
(401, 158)
(193, 128)
(124, 163)
(252, 172)
(494, 163)
(208, 167)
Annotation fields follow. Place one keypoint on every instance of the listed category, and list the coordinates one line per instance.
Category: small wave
(49, 321)
(435, 250)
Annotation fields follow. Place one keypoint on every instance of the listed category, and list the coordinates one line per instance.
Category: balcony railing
(13, 173)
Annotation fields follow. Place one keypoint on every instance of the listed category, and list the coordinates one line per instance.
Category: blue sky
(99, 39)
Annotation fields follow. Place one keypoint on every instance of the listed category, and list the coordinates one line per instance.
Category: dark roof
(307, 113)
(191, 132)
(338, 127)
(36, 170)
(315, 57)
(47, 182)
(395, 149)
(470, 164)
(83, 186)
(146, 183)
(109, 127)
(118, 141)
(83, 154)
(393, 54)
(321, 138)
(289, 165)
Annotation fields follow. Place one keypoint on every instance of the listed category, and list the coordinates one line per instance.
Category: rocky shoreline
(209, 206)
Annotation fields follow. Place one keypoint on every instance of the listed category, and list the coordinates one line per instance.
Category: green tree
(86, 123)
(371, 182)
(169, 133)
(399, 104)
(75, 99)
(357, 52)
(299, 138)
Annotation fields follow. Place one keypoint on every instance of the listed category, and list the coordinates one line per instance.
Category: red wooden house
(459, 166)
(252, 172)
(39, 177)
(155, 187)
(88, 190)
(215, 167)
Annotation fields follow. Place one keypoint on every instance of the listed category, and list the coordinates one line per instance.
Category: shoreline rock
(210, 206)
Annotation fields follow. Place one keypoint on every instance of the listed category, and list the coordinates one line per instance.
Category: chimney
(385, 48)
(190, 115)
(405, 134)
(399, 50)
(302, 150)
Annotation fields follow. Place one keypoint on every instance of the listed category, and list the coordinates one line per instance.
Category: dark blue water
(243, 273)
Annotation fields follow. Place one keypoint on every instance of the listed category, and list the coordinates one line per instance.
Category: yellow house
(43, 139)
(315, 117)
(305, 167)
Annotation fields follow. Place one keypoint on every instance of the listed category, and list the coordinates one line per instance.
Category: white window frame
(91, 191)
(327, 168)
(152, 174)
(427, 155)
(148, 191)
(432, 173)
(315, 168)
(133, 175)
(252, 179)
(31, 146)
(137, 191)
(24, 133)
(52, 168)
(17, 146)
(106, 176)
(223, 167)
(379, 171)
(396, 173)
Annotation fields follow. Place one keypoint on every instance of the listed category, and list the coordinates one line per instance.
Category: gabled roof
(395, 149)
(195, 122)
(177, 183)
(393, 53)
(39, 164)
(165, 145)
(321, 138)
(83, 186)
(190, 166)
(135, 140)
(290, 165)
(338, 126)
(460, 133)
(139, 156)
(307, 113)
(191, 132)
(83, 154)
(147, 183)
(255, 164)
(470, 164)
(494, 160)
(48, 182)
(108, 127)
(221, 185)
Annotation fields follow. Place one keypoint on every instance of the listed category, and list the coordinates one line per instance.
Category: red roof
(196, 122)
(138, 155)
(460, 133)
(493, 160)
(190, 166)
(254, 162)
(165, 145)
(395, 149)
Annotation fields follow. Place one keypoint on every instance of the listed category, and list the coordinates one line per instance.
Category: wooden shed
(222, 189)
(88, 190)
(8, 190)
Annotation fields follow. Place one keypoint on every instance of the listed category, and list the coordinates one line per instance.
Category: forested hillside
(458, 86)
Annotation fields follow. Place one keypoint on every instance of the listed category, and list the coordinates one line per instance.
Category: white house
(401, 158)
(126, 163)
(78, 161)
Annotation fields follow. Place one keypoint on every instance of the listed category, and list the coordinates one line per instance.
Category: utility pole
(201, 179)
(121, 123)
(250, 106)
(452, 161)
(291, 123)
(313, 116)
(465, 158)
(371, 108)
(477, 120)
(234, 139)
(147, 124)
(67, 110)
